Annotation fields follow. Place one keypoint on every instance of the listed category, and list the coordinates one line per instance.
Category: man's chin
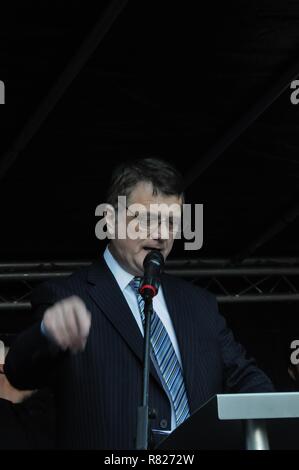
(139, 267)
(138, 273)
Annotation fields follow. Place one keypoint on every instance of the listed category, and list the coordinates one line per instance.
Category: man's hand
(68, 322)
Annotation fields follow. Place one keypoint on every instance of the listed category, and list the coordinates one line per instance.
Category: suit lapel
(106, 293)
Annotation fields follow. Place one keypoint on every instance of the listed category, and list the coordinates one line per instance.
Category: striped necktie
(166, 359)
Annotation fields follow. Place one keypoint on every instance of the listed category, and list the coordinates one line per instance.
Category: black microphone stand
(143, 412)
(153, 265)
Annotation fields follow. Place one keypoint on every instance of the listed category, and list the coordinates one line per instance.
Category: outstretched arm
(62, 326)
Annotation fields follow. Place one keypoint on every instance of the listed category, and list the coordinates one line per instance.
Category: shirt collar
(122, 277)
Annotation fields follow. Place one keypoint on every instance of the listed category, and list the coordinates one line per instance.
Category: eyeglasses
(150, 221)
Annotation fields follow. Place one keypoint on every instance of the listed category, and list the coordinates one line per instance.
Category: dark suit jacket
(97, 391)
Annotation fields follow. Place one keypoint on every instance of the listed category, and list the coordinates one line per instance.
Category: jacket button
(163, 423)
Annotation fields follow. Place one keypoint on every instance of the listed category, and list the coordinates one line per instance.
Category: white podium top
(258, 405)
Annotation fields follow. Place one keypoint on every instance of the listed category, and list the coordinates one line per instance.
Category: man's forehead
(143, 194)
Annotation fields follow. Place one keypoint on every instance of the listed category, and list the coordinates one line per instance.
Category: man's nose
(160, 232)
(155, 233)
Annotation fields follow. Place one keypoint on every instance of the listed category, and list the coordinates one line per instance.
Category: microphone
(153, 265)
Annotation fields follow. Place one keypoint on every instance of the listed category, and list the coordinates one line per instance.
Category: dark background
(168, 79)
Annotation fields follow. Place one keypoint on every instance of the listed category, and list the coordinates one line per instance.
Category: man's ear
(105, 227)
(2, 352)
(110, 221)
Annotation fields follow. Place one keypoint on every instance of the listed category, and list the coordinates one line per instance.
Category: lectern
(252, 421)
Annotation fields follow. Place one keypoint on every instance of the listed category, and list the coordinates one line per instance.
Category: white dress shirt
(123, 279)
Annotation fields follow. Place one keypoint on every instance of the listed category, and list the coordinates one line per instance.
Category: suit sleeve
(33, 359)
(240, 371)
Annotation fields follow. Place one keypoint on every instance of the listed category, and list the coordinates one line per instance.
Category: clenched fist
(67, 323)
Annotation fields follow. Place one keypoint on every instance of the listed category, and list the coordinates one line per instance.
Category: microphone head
(155, 258)
(153, 265)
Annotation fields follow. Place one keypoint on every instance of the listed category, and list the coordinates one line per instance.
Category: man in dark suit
(88, 347)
